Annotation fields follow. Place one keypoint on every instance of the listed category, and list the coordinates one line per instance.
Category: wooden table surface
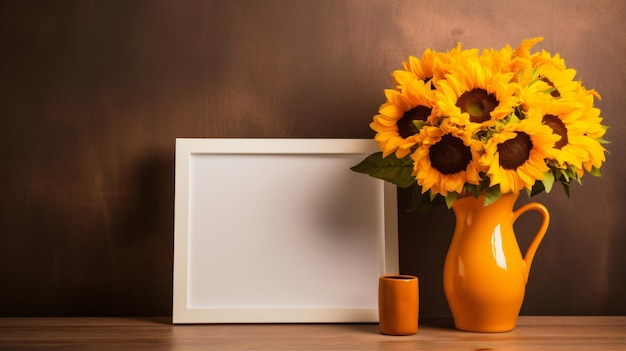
(120, 334)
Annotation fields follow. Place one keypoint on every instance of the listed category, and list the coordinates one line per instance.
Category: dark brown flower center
(478, 103)
(406, 127)
(558, 128)
(515, 152)
(555, 93)
(450, 155)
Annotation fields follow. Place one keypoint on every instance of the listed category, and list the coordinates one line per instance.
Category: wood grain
(119, 334)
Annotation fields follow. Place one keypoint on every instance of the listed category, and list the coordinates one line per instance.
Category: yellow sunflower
(445, 161)
(514, 157)
(521, 58)
(395, 124)
(590, 114)
(432, 67)
(589, 128)
(593, 137)
(552, 71)
(423, 69)
(523, 50)
(563, 119)
(497, 60)
(477, 92)
(596, 155)
(457, 55)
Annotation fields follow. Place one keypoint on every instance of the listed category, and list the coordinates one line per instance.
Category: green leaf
(566, 187)
(595, 172)
(390, 168)
(450, 198)
(538, 188)
(473, 189)
(563, 174)
(548, 181)
(492, 194)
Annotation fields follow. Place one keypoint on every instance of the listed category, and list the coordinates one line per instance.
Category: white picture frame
(279, 231)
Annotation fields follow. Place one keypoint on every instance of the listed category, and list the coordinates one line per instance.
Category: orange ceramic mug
(398, 304)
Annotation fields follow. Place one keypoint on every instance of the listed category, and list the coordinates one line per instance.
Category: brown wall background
(93, 94)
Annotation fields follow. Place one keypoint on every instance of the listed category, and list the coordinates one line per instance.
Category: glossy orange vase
(485, 273)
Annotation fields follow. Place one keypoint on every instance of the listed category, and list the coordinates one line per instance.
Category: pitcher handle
(534, 244)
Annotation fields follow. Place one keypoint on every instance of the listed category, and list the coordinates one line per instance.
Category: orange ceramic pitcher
(485, 273)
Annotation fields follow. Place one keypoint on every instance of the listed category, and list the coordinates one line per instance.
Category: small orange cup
(398, 304)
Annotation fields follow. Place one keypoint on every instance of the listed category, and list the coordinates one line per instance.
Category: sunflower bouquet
(490, 122)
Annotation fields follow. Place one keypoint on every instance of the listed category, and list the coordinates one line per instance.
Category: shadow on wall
(97, 252)
(143, 251)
